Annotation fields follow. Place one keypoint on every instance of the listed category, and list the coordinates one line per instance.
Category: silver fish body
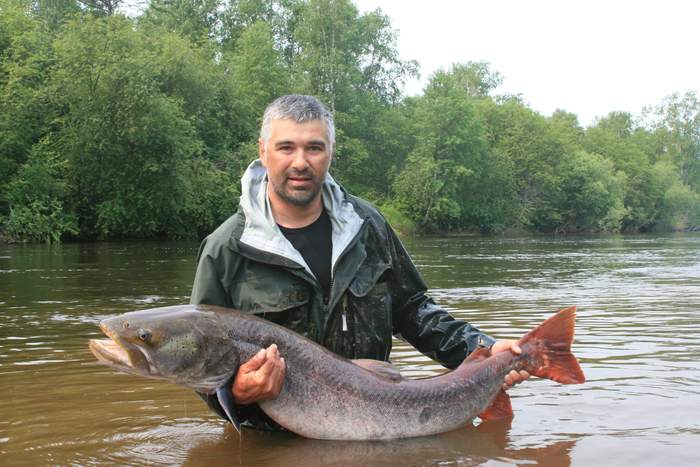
(326, 396)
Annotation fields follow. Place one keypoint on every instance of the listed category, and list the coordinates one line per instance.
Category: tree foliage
(141, 126)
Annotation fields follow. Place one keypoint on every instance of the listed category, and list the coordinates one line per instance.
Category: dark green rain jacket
(376, 291)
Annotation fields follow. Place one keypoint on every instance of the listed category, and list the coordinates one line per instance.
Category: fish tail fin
(552, 342)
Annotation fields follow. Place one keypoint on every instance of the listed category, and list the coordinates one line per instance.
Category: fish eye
(144, 335)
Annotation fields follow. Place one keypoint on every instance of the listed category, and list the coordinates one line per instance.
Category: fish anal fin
(499, 409)
(378, 367)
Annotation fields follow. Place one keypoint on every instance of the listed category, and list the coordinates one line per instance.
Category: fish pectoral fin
(378, 367)
(499, 409)
(225, 398)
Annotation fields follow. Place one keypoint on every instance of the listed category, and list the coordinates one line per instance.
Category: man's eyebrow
(316, 142)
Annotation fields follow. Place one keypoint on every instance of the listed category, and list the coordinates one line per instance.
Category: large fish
(325, 396)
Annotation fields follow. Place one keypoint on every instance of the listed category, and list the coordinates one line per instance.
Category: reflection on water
(467, 447)
(637, 339)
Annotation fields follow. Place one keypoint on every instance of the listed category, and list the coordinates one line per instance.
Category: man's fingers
(254, 363)
(506, 344)
(260, 378)
(515, 377)
(272, 352)
(278, 376)
(271, 365)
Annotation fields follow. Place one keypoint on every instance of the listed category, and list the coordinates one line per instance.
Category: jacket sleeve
(208, 288)
(421, 322)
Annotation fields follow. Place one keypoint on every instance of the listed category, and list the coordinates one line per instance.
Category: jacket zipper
(344, 316)
(326, 300)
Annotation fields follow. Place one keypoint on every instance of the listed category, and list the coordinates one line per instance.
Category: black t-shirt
(315, 244)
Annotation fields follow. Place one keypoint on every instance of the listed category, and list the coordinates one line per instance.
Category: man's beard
(298, 197)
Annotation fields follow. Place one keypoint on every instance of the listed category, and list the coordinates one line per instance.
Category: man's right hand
(260, 378)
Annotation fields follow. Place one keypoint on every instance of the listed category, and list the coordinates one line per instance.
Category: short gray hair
(299, 108)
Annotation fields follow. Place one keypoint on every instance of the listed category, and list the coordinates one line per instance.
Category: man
(305, 254)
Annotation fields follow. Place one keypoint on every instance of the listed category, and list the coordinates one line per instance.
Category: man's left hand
(514, 377)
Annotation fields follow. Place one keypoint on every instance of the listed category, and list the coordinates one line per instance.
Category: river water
(637, 338)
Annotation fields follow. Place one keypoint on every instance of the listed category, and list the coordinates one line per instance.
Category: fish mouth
(120, 354)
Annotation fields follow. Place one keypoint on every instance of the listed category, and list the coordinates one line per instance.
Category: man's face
(297, 157)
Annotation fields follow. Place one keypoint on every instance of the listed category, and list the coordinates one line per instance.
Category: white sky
(587, 57)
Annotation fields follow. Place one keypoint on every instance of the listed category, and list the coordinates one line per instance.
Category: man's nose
(299, 160)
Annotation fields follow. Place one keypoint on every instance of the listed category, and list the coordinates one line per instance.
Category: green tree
(529, 149)
(433, 185)
(679, 205)
(197, 20)
(677, 124)
(134, 105)
(475, 78)
(99, 7)
(26, 114)
(374, 149)
(36, 197)
(342, 53)
(259, 74)
(617, 138)
(593, 193)
(566, 129)
(281, 16)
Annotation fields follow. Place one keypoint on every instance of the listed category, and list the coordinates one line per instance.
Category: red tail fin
(553, 339)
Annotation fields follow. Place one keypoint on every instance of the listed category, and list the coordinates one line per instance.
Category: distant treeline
(121, 123)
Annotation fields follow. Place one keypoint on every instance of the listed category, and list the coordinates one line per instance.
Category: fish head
(180, 344)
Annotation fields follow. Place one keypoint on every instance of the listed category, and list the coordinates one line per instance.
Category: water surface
(638, 340)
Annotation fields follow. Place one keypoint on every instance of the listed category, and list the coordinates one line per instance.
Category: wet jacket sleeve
(208, 288)
(425, 325)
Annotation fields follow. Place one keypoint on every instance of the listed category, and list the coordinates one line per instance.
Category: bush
(36, 197)
(399, 221)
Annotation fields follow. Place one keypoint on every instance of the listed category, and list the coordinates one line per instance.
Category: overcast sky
(587, 57)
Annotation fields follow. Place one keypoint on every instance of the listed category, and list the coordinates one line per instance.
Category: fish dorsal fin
(478, 355)
(378, 367)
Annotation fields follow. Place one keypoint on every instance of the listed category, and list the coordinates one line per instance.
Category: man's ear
(261, 152)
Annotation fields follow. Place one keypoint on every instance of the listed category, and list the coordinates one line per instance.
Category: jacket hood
(261, 230)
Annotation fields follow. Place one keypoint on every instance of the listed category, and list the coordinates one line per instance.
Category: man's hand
(260, 378)
(514, 377)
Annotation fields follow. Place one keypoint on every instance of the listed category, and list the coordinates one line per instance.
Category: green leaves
(138, 127)
(37, 198)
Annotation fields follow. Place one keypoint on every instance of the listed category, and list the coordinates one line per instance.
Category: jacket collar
(261, 231)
